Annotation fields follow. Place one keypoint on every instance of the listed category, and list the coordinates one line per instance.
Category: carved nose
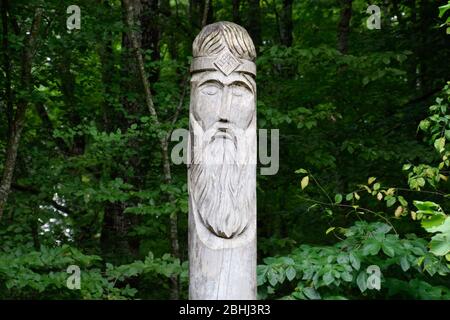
(224, 111)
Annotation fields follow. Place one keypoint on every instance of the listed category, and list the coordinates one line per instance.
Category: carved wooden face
(223, 124)
(223, 101)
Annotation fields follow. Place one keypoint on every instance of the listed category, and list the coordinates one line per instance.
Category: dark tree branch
(48, 126)
(35, 191)
(43, 115)
(181, 101)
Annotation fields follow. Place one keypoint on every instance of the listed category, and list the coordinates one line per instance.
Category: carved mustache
(224, 131)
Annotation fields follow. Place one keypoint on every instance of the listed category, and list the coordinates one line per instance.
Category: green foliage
(442, 10)
(434, 220)
(25, 272)
(89, 186)
(340, 270)
(319, 272)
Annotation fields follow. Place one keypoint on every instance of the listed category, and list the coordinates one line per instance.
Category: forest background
(363, 116)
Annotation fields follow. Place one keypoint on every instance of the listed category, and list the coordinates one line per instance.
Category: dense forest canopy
(86, 113)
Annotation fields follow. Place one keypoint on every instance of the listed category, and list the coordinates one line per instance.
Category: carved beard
(222, 191)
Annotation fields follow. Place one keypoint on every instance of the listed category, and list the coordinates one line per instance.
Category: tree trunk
(7, 64)
(105, 53)
(163, 140)
(286, 23)
(114, 240)
(254, 22)
(19, 119)
(151, 34)
(425, 55)
(196, 14)
(68, 82)
(129, 72)
(206, 12)
(344, 25)
(236, 15)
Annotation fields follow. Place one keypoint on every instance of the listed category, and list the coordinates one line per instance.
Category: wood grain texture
(222, 165)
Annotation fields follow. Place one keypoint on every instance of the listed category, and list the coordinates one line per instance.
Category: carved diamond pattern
(227, 63)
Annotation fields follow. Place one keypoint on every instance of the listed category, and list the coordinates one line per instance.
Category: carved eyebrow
(242, 83)
(211, 81)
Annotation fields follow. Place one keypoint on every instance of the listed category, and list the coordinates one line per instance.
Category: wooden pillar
(222, 165)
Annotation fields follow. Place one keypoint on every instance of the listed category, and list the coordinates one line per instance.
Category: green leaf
(311, 293)
(371, 247)
(361, 281)
(439, 144)
(287, 260)
(406, 167)
(365, 81)
(443, 9)
(390, 201)
(404, 263)
(261, 279)
(304, 182)
(440, 244)
(427, 207)
(346, 276)
(421, 182)
(329, 230)
(387, 249)
(402, 201)
(433, 221)
(423, 125)
(290, 273)
(444, 227)
(338, 198)
(354, 260)
(272, 276)
(328, 278)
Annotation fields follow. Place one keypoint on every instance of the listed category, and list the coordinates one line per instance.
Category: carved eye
(239, 90)
(210, 89)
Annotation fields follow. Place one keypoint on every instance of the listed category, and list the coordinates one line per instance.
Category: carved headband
(226, 63)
